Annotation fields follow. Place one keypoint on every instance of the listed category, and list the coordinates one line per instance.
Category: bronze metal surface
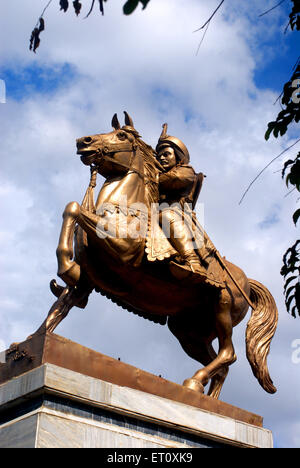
(163, 268)
(54, 349)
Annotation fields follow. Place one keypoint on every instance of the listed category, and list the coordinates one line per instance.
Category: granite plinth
(57, 393)
(54, 349)
(53, 407)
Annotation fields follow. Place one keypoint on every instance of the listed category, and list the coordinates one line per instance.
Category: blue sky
(270, 73)
(36, 79)
(279, 68)
(218, 103)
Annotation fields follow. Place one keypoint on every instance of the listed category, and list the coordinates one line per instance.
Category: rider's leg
(181, 238)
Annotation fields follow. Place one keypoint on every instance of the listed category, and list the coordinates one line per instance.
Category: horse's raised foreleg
(68, 269)
(219, 366)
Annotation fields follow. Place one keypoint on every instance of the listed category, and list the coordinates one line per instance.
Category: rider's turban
(179, 147)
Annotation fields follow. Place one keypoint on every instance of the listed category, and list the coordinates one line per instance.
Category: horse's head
(93, 148)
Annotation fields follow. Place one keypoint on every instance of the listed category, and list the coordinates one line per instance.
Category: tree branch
(211, 17)
(270, 9)
(202, 39)
(269, 164)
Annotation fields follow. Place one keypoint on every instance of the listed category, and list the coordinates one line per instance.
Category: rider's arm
(178, 178)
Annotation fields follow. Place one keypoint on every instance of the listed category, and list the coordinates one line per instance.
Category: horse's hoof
(194, 384)
(55, 288)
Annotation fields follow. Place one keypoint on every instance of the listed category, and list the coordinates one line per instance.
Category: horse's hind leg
(208, 355)
(68, 269)
(198, 348)
(217, 382)
(226, 354)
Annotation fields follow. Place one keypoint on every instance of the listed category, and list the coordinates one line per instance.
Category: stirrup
(189, 270)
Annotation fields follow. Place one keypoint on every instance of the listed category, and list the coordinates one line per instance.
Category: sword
(221, 261)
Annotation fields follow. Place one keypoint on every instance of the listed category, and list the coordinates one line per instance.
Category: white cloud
(146, 64)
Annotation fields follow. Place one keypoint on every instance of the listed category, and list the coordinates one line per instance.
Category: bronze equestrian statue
(119, 247)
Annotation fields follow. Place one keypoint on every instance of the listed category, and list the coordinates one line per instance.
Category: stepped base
(56, 393)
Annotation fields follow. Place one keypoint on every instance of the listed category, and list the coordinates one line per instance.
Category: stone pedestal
(56, 393)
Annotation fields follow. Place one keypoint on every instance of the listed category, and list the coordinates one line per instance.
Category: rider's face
(167, 158)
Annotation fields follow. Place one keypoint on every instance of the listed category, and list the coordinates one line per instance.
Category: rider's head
(167, 143)
(167, 156)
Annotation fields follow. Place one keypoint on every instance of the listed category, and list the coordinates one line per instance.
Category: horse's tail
(259, 333)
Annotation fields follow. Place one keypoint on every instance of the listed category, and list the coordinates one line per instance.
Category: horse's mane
(150, 170)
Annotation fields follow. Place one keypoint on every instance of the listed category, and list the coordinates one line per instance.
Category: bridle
(126, 147)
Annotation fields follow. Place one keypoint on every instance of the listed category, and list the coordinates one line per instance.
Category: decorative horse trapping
(141, 245)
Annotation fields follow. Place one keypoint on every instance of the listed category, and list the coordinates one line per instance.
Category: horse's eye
(122, 135)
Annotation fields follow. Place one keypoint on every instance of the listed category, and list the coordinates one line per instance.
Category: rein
(127, 148)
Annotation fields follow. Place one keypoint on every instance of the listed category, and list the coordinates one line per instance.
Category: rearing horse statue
(97, 252)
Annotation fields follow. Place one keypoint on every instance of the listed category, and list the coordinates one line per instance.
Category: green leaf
(130, 6)
(297, 297)
(293, 311)
(276, 131)
(64, 5)
(296, 216)
(145, 3)
(288, 292)
(295, 173)
(271, 125)
(77, 6)
(42, 25)
(283, 129)
(286, 164)
(289, 302)
(291, 278)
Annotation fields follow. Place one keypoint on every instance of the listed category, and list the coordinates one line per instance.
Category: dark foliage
(290, 271)
(295, 15)
(290, 113)
(64, 5)
(291, 110)
(128, 8)
(131, 5)
(35, 35)
(77, 7)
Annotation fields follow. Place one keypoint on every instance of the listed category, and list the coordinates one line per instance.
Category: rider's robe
(176, 188)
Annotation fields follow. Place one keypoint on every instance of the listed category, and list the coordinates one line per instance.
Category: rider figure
(176, 185)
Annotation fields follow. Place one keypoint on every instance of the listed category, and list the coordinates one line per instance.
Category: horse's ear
(115, 122)
(128, 120)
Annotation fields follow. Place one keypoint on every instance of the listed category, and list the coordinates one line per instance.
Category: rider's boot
(192, 261)
(190, 269)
